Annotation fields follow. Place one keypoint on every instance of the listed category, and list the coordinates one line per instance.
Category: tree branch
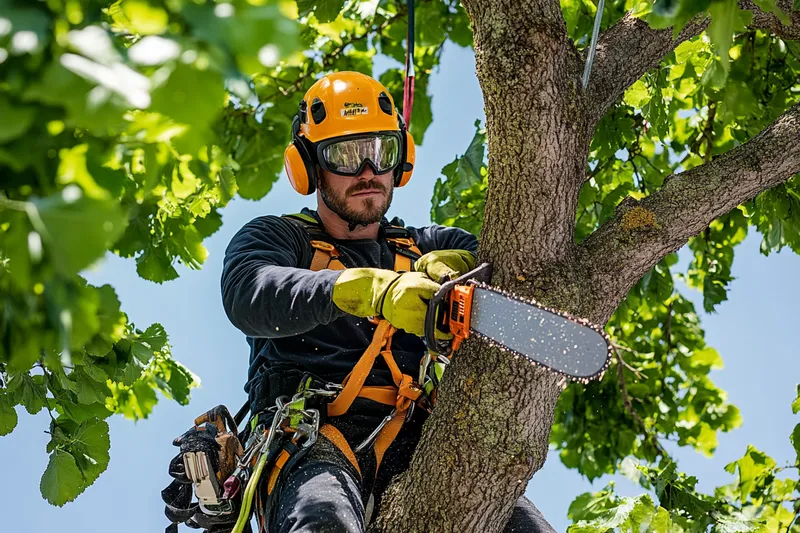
(642, 232)
(631, 47)
(625, 52)
(772, 23)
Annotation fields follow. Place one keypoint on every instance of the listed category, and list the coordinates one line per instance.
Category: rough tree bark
(490, 431)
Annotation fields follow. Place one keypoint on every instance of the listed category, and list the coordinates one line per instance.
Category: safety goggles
(348, 156)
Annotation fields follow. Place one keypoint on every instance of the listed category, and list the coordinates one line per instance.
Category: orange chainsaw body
(460, 305)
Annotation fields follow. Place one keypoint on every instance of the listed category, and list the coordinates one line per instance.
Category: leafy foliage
(124, 126)
(130, 124)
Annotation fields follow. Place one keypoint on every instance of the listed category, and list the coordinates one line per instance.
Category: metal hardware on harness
(423, 367)
(374, 434)
(311, 431)
(276, 420)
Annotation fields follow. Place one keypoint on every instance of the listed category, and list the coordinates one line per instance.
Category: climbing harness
(593, 46)
(279, 436)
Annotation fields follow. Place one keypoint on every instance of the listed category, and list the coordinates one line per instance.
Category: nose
(368, 173)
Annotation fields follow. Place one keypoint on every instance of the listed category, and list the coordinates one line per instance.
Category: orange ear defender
(338, 105)
(299, 164)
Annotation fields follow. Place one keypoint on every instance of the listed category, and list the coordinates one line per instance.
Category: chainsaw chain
(582, 321)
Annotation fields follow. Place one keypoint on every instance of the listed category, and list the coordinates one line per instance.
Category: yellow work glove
(445, 263)
(402, 299)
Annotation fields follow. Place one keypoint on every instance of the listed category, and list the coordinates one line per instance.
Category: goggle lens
(348, 155)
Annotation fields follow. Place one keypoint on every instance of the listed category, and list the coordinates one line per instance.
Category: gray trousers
(323, 492)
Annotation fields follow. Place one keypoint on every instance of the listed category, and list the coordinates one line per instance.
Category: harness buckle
(322, 245)
(405, 242)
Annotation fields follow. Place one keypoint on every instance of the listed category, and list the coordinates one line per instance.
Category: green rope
(247, 499)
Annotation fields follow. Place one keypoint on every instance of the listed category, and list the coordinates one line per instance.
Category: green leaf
(26, 19)
(796, 441)
(132, 372)
(8, 415)
(62, 481)
(191, 96)
(17, 119)
(428, 26)
(179, 381)
(155, 265)
(736, 522)
(89, 390)
(135, 402)
(707, 358)
(79, 412)
(324, 10)
(155, 337)
(461, 31)
(627, 514)
(752, 466)
(726, 18)
(76, 230)
(74, 168)
(28, 390)
(637, 95)
(796, 402)
(90, 445)
(144, 19)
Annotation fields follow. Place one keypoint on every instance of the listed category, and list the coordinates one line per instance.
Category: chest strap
(326, 256)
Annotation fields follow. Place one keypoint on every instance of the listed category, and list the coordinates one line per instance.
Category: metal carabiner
(310, 430)
(423, 367)
(375, 432)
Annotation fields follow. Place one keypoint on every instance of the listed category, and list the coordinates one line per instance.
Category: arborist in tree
(333, 303)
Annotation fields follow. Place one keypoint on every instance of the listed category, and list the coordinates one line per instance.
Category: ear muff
(298, 163)
(410, 159)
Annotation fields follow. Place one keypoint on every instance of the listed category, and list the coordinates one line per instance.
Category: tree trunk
(490, 430)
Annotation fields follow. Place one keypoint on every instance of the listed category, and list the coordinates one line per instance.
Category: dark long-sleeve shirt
(287, 312)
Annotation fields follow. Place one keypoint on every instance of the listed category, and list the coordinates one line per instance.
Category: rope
(249, 491)
(595, 34)
(408, 85)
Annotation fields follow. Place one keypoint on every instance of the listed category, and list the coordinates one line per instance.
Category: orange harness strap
(401, 397)
(338, 440)
(325, 257)
(403, 394)
(402, 263)
(354, 381)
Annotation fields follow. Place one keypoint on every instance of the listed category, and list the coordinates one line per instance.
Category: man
(302, 316)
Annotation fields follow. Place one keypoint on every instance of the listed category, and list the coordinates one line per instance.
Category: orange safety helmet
(339, 106)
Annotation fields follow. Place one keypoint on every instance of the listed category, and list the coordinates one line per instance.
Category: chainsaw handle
(436, 313)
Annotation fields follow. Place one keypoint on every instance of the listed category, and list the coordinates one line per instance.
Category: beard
(373, 209)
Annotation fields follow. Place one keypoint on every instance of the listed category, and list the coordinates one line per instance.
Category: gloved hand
(445, 263)
(399, 298)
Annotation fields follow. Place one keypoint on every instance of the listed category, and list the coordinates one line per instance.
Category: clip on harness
(294, 427)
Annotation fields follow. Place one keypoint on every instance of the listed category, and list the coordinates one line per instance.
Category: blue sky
(753, 332)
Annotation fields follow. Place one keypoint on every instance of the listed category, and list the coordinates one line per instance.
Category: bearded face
(363, 199)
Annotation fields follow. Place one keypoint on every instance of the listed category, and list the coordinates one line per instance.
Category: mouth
(367, 192)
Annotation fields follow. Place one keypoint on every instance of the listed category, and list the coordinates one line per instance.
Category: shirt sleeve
(436, 237)
(265, 293)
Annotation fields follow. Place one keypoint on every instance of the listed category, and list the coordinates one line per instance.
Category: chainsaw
(570, 346)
